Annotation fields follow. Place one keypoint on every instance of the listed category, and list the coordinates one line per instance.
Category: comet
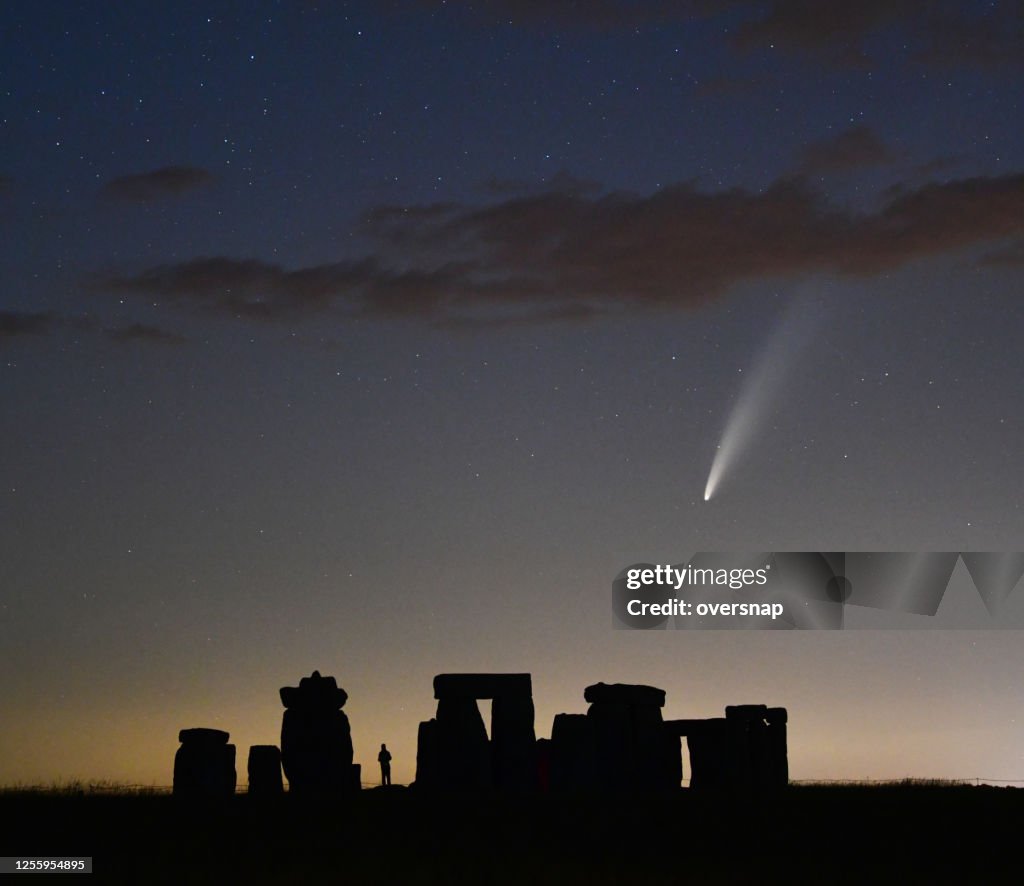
(762, 388)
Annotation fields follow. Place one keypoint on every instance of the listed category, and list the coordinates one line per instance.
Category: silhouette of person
(384, 758)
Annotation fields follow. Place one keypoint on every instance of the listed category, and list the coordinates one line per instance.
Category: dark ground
(902, 834)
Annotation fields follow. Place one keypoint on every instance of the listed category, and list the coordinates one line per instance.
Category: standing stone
(204, 765)
(777, 775)
(634, 751)
(428, 755)
(265, 770)
(463, 749)
(614, 740)
(513, 743)
(316, 741)
(759, 733)
(710, 764)
(744, 751)
(621, 744)
(543, 754)
(453, 749)
(572, 753)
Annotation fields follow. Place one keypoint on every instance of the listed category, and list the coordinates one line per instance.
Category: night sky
(378, 337)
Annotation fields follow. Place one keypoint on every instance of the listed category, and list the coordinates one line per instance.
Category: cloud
(832, 31)
(141, 332)
(248, 287)
(565, 313)
(571, 255)
(562, 181)
(954, 37)
(15, 323)
(719, 87)
(855, 148)
(940, 165)
(158, 184)
(599, 14)
(836, 25)
(21, 323)
(1010, 256)
(937, 33)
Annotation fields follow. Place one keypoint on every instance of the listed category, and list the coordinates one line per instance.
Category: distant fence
(852, 782)
(907, 780)
(144, 789)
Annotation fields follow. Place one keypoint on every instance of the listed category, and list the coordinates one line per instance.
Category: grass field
(905, 833)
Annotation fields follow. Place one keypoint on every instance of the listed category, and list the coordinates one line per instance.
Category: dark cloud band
(567, 254)
(158, 184)
(15, 323)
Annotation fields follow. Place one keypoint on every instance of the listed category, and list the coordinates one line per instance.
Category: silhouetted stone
(478, 686)
(572, 753)
(428, 755)
(633, 750)
(314, 691)
(453, 749)
(513, 742)
(542, 750)
(201, 736)
(746, 711)
(683, 727)
(773, 763)
(265, 770)
(463, 749)
(709, 747)
(614, 752)
(624, 694)
(658, 756)
(744, 751)
(672, 756)
(776, 742)
(204, 765)
(621, 744)
(760, 737)
(316, 741)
